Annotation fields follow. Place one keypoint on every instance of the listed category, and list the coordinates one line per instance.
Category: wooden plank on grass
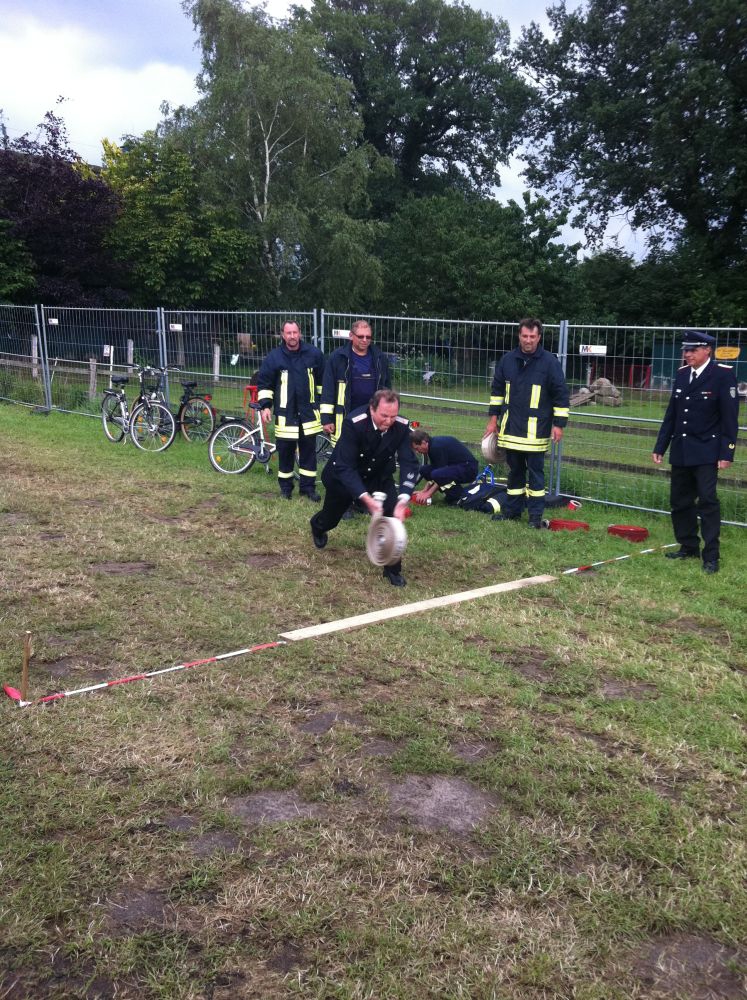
(401, 610)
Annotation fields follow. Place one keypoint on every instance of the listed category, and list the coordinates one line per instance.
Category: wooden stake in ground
(25, 667)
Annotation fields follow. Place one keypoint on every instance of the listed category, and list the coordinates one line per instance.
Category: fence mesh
(620, 378)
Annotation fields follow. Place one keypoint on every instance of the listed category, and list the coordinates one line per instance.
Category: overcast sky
(116, 61)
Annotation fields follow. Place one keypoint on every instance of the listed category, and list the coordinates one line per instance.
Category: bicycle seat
(255, 406)
(188, 385)
(119, 380)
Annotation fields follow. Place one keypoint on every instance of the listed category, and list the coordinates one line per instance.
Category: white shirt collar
(697, 371)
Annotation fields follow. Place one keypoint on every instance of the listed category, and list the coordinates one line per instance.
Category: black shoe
(682, 554)
(505, 517)
(537, 525)
(711, 566)
(396, 579)
(314, 497)
(285, 495)
(320, 537)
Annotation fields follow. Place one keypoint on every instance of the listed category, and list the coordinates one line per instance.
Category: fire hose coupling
(387, 538)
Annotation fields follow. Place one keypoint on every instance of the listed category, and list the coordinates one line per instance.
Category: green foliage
(180, 250)
(278, 143)
(16, 266)
(432, 83)
(463, 257)
(640, 107)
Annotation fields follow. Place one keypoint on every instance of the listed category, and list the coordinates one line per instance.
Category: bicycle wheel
(152, 426)
(324, 449)
(196, 420)
(113, 419)
(229, 448)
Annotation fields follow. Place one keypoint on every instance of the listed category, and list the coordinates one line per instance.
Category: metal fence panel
(222, 351)
(22, 359)
(85, 346)
(620, 379)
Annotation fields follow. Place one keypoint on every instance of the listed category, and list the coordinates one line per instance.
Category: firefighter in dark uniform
(289, 383)
(448, 464)
(529, 407)
(372, 440)
(352, 374)
(700, 430)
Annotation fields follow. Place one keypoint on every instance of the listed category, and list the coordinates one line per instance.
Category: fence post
(216, 363)
(321, 325)
(42, 334)
(556, 458)
(92, 366)
(130, 355)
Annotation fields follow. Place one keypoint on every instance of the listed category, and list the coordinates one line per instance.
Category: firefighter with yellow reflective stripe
(528, 409)
(290, 384)
(352, 375)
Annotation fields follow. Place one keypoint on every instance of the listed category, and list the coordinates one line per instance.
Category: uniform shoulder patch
(682, 368)
(403, 420)
(361, 416)
(728, 367)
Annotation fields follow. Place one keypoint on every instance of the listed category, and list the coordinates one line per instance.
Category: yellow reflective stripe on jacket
(522, 444)
(560, 411)
(504, 421)
(532, 429)
(312, 384)
(283, 389)
(284, 430)
(327, 410)
(312, 427)
(496, 401)
(508, 392)
(341, 394)
(264, 394)
(534, 399)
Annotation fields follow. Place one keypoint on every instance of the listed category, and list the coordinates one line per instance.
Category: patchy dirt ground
(687, 965)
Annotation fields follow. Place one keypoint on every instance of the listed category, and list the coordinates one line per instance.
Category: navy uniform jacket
(364, 458)
(701, 420)
(529, 395)
(290, 382)
(445, 450)
(337, 381)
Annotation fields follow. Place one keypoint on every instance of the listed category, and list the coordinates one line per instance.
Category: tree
(641, 107)
(179, 250)
(275, 139)
(58, 211)
(458, 256)
(432, 83)
(16, 266)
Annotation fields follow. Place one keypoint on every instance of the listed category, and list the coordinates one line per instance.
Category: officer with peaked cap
(700, 430)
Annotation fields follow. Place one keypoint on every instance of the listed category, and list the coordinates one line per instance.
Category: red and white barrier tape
(16, 695)
(630, 555)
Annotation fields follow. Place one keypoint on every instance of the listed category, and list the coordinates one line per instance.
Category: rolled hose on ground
(386, 540)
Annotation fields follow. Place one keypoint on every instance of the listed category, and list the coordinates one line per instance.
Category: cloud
(104, 99)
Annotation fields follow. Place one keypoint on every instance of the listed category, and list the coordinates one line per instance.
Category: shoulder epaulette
(403, 420)
(361, 416)
(682, 368)
(728, 367)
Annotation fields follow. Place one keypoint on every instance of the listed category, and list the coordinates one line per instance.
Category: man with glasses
(352, 374)
(700, 424)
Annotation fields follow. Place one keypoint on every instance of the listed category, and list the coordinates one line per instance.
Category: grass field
(534, 796)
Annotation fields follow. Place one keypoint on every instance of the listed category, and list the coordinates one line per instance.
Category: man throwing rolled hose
(372, 440)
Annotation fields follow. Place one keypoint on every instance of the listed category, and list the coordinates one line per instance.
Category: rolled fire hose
(489, 448)
(387, 538)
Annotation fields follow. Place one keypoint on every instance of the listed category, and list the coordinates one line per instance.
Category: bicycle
(195, 417)
(150, 424)
(235, 445)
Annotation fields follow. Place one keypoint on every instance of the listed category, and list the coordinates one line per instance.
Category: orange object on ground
(629, 531)
(561, 524)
